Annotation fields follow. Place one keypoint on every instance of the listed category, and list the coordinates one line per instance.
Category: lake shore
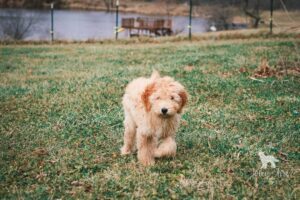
(208, 37)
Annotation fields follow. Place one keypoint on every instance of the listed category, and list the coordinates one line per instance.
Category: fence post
(271, 17)
(190, 21)
(117, 18)
(52, 22)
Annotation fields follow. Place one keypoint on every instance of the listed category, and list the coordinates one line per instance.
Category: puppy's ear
(184, 98)
(146, 94)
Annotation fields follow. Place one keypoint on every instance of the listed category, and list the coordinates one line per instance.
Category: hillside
(168, 7)
(61, 120)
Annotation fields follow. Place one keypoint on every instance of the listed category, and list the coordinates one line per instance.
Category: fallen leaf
(88, 188)
(184, 123)
(40, 152)
(264, 70)
(268, 118)
(29, 71)
(228, 171)
(225, 74)
(52, 161)
(242, 70)
(188, 68)
(77, 183)
(41, 176)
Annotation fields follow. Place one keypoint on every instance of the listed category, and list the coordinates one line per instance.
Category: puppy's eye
(157, 98)
(172, 98)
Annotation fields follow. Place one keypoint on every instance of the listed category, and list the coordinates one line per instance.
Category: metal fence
(65, 25)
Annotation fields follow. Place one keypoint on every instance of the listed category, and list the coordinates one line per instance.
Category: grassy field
(61, 121)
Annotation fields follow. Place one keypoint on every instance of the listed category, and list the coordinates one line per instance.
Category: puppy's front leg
(166, 149)
(146, 146)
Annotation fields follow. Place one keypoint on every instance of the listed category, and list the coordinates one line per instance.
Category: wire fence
(52, 24)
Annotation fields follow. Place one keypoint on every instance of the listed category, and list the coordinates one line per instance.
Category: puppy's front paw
(147, 161)
(125, 151)
(157, 153)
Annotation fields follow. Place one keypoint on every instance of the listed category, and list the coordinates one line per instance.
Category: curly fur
(152, 108)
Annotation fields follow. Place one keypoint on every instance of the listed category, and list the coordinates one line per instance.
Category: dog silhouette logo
(267, 159)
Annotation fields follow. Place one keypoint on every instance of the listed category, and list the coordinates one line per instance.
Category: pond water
(84, 25)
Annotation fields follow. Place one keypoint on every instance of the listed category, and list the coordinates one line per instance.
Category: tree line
(263, 4)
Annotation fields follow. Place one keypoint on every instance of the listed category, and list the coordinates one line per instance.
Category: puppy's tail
(155, 75)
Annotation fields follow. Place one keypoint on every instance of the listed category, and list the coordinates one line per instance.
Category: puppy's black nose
(164, 110)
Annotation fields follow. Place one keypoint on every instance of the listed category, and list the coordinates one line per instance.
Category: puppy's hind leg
(166, 149)
(129, 135)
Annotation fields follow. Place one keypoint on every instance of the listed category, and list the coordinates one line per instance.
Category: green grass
(61, 121)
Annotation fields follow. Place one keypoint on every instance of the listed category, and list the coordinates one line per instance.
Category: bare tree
(221, 16)
(254, 13)
(17, 25)
(108, 4)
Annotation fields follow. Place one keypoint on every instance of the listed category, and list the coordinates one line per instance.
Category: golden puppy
(152, 109)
